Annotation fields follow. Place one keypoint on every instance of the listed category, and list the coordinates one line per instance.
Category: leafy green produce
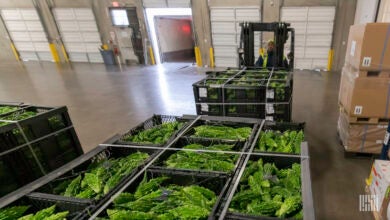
(276, 141)
(280, 87)
(46, 214)
(151, 200)
(148, 186)
(267, 191)
(17, 116)
(13, 212)
(73, 187)
(159, 134)
(203, 160)
(101, 177)
(6, 109)
(220, 75)
(222, 132)
(208, 82)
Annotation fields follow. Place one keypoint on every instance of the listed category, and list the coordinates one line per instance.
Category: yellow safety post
(54, 52)
(330, 59)
(64, 53)
(152, 56)
(15, 51)
(198, 57)
(211, 57)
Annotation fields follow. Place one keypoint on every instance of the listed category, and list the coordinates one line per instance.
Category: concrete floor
(103, 101)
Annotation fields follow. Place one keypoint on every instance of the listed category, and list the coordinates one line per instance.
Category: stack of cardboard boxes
(365, 89)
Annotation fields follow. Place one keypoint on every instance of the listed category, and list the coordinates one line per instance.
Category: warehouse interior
(116, 63)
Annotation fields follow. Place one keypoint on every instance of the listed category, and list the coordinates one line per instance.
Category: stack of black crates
(42, 193)
(34, 141)
(254, 93)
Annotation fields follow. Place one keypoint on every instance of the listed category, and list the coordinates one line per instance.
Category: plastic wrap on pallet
(361, 138)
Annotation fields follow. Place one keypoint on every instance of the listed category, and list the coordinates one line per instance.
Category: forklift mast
(281, 33)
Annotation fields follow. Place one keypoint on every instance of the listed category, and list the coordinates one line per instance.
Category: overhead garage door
(79, 33)
(225, 29)
(313, 34)
(26, 31)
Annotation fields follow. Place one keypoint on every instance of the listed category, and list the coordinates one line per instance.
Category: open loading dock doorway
(170, 30)
(175, 38)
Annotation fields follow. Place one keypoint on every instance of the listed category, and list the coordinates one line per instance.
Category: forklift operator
(267, 59)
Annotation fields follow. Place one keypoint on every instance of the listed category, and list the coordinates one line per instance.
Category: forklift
(281, 32)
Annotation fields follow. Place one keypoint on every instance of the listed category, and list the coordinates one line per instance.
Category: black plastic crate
(154, 121)
(209, 90)
(221, 122)
(34, 207)
(213, 110)
(75, 206)
(280, 163)
(280, 112)
(245, 110)
(282, 127)
(257, 91)
(248, 91)
(216, 182)
(46, 121)
(15, 171)
(184, 141)
(21, 166)
(11, 108)
(46, 196)
(226, 74)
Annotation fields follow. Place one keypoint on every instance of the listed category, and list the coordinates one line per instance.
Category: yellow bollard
(211, 57)
(54, 52)
(64, 53)
(151, 56)
(198, 57)
(330, 59)
(15, 52)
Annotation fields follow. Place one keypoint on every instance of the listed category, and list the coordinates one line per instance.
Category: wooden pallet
(367, 120)
(363, 120)
(357, 155)
(365, 73)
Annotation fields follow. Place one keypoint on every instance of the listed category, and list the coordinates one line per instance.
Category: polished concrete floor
(104, 101)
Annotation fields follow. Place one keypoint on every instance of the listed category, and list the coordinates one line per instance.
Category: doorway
(171, 34)
(175, 39)
(127, 34)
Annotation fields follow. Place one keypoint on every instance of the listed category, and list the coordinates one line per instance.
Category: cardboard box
(364, 96)
(369, 46)
(379, 185)
(362, 138)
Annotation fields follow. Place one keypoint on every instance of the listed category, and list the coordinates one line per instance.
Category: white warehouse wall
(365, 11)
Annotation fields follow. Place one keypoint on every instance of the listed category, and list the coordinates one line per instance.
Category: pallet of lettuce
(34, 141)
(256, 93)
(187, 171)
